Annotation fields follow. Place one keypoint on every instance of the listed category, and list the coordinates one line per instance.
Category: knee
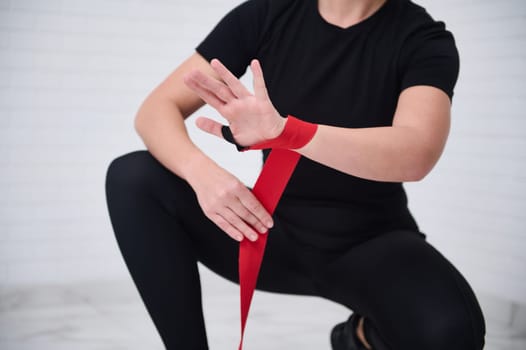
(452, 332)
(129, 172)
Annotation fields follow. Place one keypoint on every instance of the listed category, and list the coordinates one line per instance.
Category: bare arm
(160, 120)
(405, 151)
(160, 123)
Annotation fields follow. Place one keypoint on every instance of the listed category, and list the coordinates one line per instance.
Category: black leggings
(409, 294)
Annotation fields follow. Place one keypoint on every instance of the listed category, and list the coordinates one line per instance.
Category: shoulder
(268, 17)
(427, 53)
(271, 10)
(415, 23)
(263, 13)
(265, 7)
(420, 36)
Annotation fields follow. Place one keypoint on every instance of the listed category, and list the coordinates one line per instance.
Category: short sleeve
(430, 57)
(236, 38)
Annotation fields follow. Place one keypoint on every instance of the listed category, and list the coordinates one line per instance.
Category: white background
(73, 74)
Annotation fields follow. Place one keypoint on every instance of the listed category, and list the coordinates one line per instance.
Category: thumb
(210, 126)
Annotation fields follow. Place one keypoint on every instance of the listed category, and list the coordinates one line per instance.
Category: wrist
(295, 133)
(195, 165)
(278, 127)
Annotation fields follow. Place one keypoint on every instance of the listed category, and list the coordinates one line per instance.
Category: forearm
(394, 154)
(405, 151)
(160, 124)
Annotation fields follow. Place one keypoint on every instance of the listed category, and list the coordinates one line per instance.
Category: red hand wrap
(269, 186)
(296, 134)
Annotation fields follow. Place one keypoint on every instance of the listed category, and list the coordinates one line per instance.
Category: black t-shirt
(348, 77)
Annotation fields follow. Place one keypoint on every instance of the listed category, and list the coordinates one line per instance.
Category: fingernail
(239, 238)
(253, 237)
(269, 224)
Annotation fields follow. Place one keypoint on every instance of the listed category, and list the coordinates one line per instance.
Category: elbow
(137, 123)
(139, 126)
(416, 173)
(419, 169)
(141, 117)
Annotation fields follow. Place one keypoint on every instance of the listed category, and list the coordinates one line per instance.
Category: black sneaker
(343, 335)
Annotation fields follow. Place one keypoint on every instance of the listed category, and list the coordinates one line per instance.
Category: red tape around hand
(296, 134)
(269, 187)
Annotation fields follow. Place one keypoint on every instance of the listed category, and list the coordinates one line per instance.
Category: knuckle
(255, 207)
(233, 186)
(210, 205)
(221, 194)
(228, 216)
(252, 220)
(221, 223)
(243, 227)
(236, 221)
(223, 91)
(248, 217)
(243, 212)
(238, 186)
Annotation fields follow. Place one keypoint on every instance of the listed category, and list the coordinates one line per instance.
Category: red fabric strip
(269, 186)
(268, 189)
(297, 133)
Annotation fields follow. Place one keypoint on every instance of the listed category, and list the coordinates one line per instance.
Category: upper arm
(174, 89)
(429, 67)
(426, 110)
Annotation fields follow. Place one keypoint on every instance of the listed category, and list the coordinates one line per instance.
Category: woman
(377, 79)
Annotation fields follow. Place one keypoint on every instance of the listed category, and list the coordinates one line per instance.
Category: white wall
(73, 73)
(474, 204)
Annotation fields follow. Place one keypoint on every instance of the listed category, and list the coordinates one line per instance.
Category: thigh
(412, 294)
(282, 269)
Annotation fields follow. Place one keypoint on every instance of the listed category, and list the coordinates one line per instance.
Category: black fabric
(412, 294)
(350, 240)
(345, 337)
(348, 77)
(227, 135)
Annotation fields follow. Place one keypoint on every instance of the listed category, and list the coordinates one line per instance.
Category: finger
(260, 89)
(230, 79)
(226, 227)
(247, 216)
(241, 226)
(210, 126)
(213, 85)
(205, 95)
(250, 202)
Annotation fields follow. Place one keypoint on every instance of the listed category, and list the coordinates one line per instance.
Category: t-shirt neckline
(353, 27)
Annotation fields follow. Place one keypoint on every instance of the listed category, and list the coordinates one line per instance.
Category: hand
(227, 202)
(252, 118)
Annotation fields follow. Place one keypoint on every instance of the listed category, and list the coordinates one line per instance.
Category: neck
(345, 13)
